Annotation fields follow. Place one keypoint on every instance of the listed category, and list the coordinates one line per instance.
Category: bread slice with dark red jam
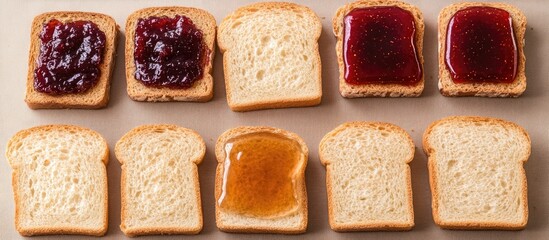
(71, 59)
(169, 54)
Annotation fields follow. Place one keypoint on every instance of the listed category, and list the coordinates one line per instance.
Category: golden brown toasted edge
(12, 145)
(262, 104)
(445, 84)
(160, 230)
(155, 230)
(429, 151)
(220, 156)
(385, 226)
(202, 89)
(378, 90)
(93, 98)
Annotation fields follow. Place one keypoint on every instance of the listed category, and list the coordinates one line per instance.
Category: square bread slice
(59, 180)
(271, 57)
(445, 83)
(476, 173)
(95, 97)
(160, 189)
(292, 222)
(202, 89)
(377, 90)
(368, 177)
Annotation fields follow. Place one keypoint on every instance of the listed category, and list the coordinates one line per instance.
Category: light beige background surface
(210, 119)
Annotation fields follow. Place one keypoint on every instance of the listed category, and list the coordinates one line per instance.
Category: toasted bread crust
(266, 104)
(155, 230)
(433, 182)
(93, 98)
(378, 90)
(384, 226)
(202, 89)
(55, 230)
(302, 194)
(445, 83)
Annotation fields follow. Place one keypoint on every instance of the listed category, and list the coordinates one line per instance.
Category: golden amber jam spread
(259, 177)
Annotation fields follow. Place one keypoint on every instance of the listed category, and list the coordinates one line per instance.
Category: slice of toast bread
(59, 180)
(95, 97)
(368, 179)
(445, 83)
(202, 89)
(476, 173)
(293, 223)
(377, 90)
(160, 189)
(271, 57)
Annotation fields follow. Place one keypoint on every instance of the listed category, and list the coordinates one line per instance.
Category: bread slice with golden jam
(201, 89)
(95, 97)
(160, 189)
(271, 57)
(377, 89)
(368, 177)
(59, 180)
(260, 181)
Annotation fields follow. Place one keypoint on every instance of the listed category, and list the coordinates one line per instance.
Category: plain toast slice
(445, 83)
(59, 180)
(271, 57)
(378, 90)
(160, 189)
(368, 177)
(292, 223)
(476, 173)
(202, 89)
(95, 97)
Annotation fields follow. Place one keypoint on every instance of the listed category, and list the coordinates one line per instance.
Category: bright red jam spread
(481, 46)
(169, 52)
(379, 47)
(70, 57)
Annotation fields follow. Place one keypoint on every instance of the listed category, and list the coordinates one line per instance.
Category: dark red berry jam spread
(480, 46)
(379, 47)
(169, 52)
(70, 57)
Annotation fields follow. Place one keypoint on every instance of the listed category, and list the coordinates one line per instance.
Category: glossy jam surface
(260, 175)
(70, 57)
(480, 46)
(169, 52)
(379, 47)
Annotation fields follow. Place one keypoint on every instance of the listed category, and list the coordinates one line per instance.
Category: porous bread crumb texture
(271, 57)
(445, 83)
(378, 90)
(160, 185)
(476, 171)
(95, 97)
(202, 89)
(368, 177)
(59, 180)
(289, 224)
